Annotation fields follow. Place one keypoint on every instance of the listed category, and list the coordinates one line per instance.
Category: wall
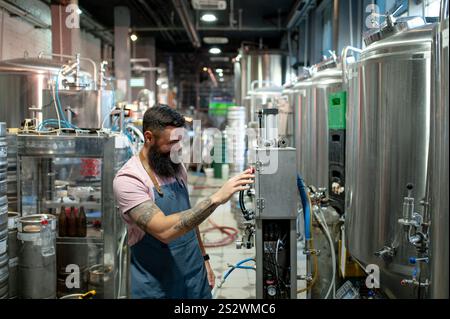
(18, 36)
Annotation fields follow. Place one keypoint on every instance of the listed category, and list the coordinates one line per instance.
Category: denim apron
(175, 270)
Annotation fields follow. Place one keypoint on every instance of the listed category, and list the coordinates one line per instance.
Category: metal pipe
(94, 65)
(227, 29)
(344, 61)
(290, 50)
(306, 40)
(240, 19)
(27, 16)
(335, 25)
(155, 17)
(443, 10)
(295, 16)
(182, 10)
(231, 13)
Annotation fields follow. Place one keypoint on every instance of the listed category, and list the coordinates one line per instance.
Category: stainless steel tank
(265, 68)
(311, 120)
(26, 83)
(262, 66)
(388, 121)
(37, 265)
(439, 170)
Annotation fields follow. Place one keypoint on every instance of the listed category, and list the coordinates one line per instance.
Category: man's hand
(210, 273)
(235, 184)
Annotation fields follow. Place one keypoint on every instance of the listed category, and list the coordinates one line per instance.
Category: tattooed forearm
(143, 214)
(195, 216)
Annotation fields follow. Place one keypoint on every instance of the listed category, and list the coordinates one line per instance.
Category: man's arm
(152, 220)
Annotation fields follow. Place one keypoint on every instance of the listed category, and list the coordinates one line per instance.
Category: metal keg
(3, 213)
(37, 270)
(4, 276)
(3, 182)
(13, 250)
(98, 276)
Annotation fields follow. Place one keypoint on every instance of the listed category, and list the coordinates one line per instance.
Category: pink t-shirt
(132, 186)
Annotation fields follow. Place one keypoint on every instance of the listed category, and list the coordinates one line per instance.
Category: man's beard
(161, 163)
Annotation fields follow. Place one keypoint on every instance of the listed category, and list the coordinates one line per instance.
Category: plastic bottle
(72, 223)
(62, 222)
(47, 247)
(81, 223)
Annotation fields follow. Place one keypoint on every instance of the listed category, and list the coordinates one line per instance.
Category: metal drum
(438, 178)
(3, 213)
(3, 275)
(13, 250)
(311, 120)
(37, 272)
(388, 121)
(98, 275)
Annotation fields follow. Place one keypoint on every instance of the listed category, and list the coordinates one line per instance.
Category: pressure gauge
(272, 291)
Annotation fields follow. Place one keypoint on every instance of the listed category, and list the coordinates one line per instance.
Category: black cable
(244, 210)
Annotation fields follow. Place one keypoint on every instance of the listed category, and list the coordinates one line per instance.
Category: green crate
(337, 107)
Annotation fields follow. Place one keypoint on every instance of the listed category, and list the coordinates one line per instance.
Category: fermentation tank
(311, 120)
(439, 162)
(388, 122)
(27, 91)
(257, 69)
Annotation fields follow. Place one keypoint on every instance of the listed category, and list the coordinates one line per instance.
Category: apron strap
(150, 173)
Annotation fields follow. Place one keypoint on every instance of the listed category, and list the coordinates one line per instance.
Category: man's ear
(149, 138)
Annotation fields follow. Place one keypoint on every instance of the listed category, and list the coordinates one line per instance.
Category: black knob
(409, 186)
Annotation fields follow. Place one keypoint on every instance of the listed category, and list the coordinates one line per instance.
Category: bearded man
(168, 259)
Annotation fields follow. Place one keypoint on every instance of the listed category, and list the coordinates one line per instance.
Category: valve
(385, 252)
(414, 260)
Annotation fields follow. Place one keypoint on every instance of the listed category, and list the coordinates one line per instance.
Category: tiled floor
(241, 282)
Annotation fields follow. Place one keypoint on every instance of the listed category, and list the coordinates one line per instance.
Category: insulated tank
(27, 84)
(388, 122)
(439, 162)
(311, 120)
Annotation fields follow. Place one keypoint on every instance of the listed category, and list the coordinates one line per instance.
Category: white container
(209, 172)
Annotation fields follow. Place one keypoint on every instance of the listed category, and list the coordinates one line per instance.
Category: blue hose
(238, 265)
(306, 208)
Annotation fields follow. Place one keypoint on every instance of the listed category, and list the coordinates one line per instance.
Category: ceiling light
(219, 70)
(79, 11)
(164, 86)
(133, 37)
(205, 69)
(219, 59)
(208, 17)
(215, 40)
(215, 50)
